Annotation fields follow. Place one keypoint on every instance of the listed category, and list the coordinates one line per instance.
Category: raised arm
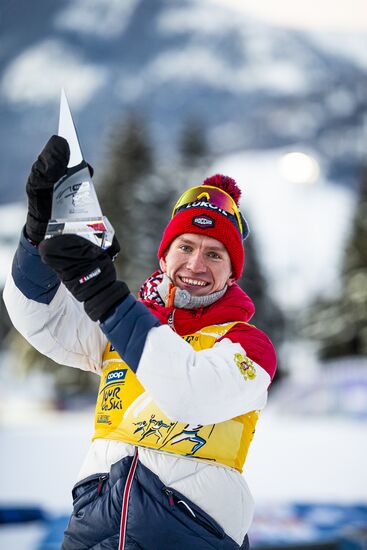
(40, 307)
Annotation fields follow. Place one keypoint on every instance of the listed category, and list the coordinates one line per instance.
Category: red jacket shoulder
(257, 345)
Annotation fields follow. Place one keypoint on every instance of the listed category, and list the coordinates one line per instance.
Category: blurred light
(344, 15)
(298, 167)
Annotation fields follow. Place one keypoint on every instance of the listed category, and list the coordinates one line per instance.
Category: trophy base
(97, 230)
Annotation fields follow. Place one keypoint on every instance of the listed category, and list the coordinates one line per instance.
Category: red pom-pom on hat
(225, 183)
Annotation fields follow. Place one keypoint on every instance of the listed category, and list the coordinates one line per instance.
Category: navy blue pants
(157, 517)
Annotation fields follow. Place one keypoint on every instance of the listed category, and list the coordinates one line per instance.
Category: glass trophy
(75, 206)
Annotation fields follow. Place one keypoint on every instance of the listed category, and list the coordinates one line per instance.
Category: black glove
(87, 271)
(50, 166)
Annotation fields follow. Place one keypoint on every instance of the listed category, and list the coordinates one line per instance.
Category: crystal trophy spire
(75, 206)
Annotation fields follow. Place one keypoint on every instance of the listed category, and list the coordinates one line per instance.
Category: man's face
(198, 264)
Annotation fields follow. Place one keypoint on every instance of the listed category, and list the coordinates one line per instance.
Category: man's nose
(196, 262)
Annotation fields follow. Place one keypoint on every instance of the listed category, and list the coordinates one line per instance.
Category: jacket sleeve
(205, 387)
(48, 316)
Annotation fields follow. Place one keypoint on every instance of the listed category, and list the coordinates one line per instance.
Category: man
(183, 374)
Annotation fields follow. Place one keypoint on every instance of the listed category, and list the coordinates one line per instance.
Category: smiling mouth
(193, 282)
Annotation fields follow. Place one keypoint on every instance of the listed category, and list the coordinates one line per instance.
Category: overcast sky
(331, 15)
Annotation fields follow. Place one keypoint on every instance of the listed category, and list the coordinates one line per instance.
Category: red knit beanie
(205, 216)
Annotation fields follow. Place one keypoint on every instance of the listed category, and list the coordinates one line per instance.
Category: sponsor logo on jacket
(118, 375)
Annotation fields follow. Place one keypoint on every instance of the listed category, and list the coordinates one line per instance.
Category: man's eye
(214, 255)
(185, 248)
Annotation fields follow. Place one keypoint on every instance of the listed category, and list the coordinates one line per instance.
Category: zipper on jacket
(169, 493)
(170, 320)
(101, 481)
(125, 500)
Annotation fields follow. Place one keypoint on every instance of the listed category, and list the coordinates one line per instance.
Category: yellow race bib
(126, 412)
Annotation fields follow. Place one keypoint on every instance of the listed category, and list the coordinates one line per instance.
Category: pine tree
(193, 147)
(194, 154)
(125, 194)
(340, 325)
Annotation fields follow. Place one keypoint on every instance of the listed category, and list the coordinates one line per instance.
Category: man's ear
(231, 280)
(163, 264)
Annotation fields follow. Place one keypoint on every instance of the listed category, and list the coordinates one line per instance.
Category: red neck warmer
(235, 305)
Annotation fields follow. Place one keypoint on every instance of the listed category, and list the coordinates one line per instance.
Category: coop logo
(204, 222)
(116, 376)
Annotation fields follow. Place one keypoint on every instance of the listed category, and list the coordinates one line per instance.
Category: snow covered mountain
(251, 85)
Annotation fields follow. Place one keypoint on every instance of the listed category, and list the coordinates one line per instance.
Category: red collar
(235, 305)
